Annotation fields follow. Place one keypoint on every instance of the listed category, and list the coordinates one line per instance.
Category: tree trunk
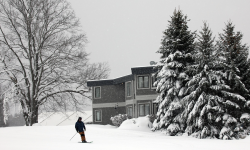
(35, 116)
(31, 118)
(1, 113)
(26, 118)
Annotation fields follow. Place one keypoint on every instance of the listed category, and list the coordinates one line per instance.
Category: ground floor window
(144, 109)
(130, 111)
(98, 115)
(155, 108)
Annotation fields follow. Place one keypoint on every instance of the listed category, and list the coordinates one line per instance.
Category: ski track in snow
(106, 137)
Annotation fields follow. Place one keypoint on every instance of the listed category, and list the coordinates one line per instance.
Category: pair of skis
(86, 142)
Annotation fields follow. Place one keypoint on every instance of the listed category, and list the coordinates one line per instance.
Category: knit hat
(79, 118)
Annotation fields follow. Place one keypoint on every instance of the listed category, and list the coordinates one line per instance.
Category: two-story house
(132, 95)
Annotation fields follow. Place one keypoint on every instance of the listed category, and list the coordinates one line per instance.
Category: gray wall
(107, 113)
(111, 94)
(145, 92)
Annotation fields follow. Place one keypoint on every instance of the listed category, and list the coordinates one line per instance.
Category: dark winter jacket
(79, 126)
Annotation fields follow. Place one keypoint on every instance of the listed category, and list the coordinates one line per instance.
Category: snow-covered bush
(141, 123)
(173, 129)
(118, 119)
(152, 117)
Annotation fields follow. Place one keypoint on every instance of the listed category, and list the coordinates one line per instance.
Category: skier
(80, 128)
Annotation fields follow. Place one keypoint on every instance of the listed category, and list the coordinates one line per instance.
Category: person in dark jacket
(80, 128)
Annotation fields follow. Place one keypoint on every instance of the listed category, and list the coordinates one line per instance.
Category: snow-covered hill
(107, 137)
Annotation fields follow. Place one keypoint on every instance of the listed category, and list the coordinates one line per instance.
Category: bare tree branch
(42, 46)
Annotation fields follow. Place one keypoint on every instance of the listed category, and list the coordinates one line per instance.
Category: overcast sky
(127, 33)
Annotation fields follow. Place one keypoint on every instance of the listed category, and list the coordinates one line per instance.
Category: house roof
(143, 70)
(110, 81)
(135, 70)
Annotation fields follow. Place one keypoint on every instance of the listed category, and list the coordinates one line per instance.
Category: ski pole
(73, 136)
(65, 119)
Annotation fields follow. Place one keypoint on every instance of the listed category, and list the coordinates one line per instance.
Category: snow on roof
(110, 79)
(101, 80)
(144, 66)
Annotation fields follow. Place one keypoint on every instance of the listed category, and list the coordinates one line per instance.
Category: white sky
(127, 33)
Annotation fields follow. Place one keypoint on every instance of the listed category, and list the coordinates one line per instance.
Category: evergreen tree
(204, 90)
(214, 106)
(236, 54)
(245, 77)
(233, 63)
(176, 48)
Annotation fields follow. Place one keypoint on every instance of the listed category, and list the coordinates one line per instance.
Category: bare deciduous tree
(42, 54)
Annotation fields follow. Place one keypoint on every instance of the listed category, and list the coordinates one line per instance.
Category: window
(130, 111)
(143, 82)
(98, 115)
(147, 109)
(153, 79)
(141, 110)
(97, 92)
(155, 108)
(128, 88)
(144, 109)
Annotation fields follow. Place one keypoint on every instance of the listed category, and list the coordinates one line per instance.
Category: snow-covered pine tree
(235, 54)
(232, 58)
(176, 48)
(245, 77)
(204, 90)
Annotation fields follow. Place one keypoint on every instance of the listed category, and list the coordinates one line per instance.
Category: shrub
(152, 118)
(118, 119)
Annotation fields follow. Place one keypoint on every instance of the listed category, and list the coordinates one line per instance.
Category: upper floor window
(97, 92)
(153, 79)
(143, 82)
(128, 88)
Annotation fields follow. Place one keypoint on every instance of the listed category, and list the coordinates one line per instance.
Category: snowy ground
(106, 137)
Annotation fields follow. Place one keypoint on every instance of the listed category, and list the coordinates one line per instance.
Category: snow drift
(141, 123)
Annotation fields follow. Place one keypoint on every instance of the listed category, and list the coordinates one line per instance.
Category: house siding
(114, 95)
(110, 94)
(146, 92)
(107, 113)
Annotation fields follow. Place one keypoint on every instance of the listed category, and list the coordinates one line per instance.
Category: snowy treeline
(203, 82)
